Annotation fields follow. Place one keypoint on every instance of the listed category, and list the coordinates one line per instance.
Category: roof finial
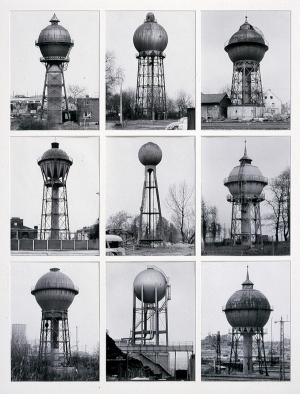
(246, 18)
(245, 150)
(247, 274)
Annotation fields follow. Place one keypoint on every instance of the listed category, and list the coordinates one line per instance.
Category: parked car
(114, 245)
(181, 124)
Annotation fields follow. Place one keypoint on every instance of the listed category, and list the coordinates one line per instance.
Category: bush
(32, 124)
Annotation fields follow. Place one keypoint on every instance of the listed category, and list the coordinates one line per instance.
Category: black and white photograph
(54, 201)
(150, 196)
(245, 69)
(150, 321)
(54, 321)
(245, 207)
(246, 320)
(54, 66)
(150, 70)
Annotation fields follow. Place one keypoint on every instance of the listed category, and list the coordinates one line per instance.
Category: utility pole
(281, 365)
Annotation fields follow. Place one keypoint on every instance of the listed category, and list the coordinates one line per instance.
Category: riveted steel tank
(55, 163)
(150, 36)
(54, 291)
(146, 282)
(251, 176)
(247, 43)
(54, 40)
(150, 154)
(247, 307)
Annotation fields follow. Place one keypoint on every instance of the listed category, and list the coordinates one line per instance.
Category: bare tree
(210, 222)
(279, 219)
(76, 91)
(225, 89)
(113, 75)
(183, 101)
(119, 220)
(178, 201)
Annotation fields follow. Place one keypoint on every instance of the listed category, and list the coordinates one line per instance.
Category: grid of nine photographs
(149, 199)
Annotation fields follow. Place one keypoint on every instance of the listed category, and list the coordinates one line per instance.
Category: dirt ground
(139, 125)
(173, 250)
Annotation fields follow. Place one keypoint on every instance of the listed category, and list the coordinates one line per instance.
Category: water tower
(245, 183)
(150, 224)
(55, 44)
(150, 40)
(55, 165)
(246, 49)
(55, 292)
(151, 293)
(248, 311)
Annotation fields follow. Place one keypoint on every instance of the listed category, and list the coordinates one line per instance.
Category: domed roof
(245, 171)
(54, 279)
(247, 307)
(247, 33)
(147, 281)
(54, 33)
(150, 36)
(55, 154)
(54, 290)
(150, 154)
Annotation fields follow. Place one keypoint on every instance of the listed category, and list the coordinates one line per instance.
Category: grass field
(276, 249)
(173, 250)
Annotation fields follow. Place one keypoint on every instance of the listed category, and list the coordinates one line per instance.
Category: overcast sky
(219, 280)
(219, 155)
(28, 73)
(26, 182)
(83, 312)
(179, 64)
(125, 173)
(181, 307)
(219, 26)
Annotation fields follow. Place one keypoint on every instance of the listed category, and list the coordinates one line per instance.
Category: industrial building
(214, 106)
(19, 231)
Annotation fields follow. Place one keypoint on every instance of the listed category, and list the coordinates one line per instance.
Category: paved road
(246, 126)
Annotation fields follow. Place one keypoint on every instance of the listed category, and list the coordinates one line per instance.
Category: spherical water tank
(54, 40)
(150, 154)
(150, 279)
(54, 291)
(150, 36)
(246, 44)
(247, 307)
